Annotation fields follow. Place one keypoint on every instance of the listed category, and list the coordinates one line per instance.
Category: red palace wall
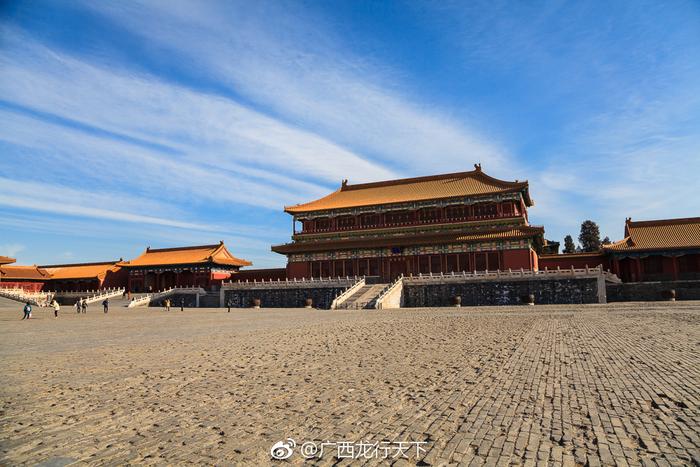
(297, 270)
(516, 259)
(260, 275)
(658, 268)
(119, 278)
(28, 286)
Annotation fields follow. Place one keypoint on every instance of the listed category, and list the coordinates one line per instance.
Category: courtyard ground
(615, 384)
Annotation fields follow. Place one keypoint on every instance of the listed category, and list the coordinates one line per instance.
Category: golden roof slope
(451, 185)
(81, 271)
(9, 273)
(6, 260)
(217, 254)
(664, 234)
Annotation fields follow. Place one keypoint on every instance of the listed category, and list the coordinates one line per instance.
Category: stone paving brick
(560, 385)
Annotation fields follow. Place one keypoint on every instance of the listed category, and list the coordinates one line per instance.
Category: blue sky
(165, 123)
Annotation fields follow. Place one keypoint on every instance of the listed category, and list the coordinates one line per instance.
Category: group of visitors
(28, 309)
(167, 303)
(81, 306)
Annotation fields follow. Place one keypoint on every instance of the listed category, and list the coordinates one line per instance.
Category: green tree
(589, 238)
(569, 246)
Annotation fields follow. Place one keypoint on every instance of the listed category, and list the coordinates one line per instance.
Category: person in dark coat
(27, 311)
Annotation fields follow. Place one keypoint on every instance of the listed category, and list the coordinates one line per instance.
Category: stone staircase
(117, 303)
(210, 300)
(364, 297)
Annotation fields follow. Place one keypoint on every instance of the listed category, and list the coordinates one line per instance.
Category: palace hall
(461, 221)
(159, 269)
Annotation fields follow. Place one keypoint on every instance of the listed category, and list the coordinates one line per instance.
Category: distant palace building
(30, 278)
(154, 270)
(657, 250)
(84, 276)
(159, 269)
(454, 222)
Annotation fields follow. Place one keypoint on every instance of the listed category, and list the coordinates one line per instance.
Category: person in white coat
(56, 307)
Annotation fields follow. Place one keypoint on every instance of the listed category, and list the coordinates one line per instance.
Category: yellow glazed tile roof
(6, 260)
(520, 232)
(81, 271)
(662, 234)
(9, 273)
(217, 254)
(452, 185)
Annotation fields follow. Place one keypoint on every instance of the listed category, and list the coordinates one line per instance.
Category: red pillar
(674, 260)
(638, 268)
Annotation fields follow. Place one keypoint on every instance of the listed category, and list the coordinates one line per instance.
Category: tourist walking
(78, 305)
(167, 304)
(56, 307)
(27, 311)
(182, 304)
(105, 305)
(83, 305)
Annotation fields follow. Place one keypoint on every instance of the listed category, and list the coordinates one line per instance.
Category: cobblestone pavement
(570, 385)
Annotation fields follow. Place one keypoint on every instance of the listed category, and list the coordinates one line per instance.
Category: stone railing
(347, 294)
(293, 283)
(392, 296)
(515, 274)
(85, 293)
(20, 295)
(103, 294)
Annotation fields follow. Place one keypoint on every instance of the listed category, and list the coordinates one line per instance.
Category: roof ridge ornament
(343, 183)
(477, 166)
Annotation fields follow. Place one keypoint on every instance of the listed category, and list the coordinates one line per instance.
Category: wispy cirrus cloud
(56, 199)
(195, 126)
(11, 249)
(301, 71)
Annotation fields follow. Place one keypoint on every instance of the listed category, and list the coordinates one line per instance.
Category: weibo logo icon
(282, 450)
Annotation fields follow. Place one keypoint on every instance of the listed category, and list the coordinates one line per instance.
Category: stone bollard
(309, 303)
(457, 301)
(256, 303)
(669, 295)
(528, 299)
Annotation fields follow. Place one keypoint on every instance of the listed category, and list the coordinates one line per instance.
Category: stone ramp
(116, 303)
(365, 297)
(9, 303)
